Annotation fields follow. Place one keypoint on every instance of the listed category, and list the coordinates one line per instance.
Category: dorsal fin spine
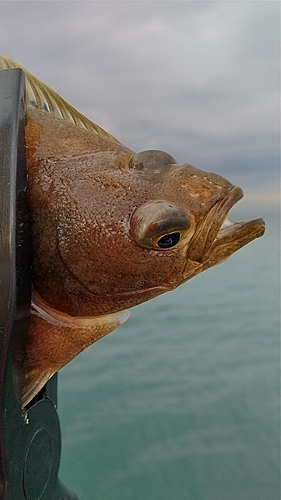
(41, 96)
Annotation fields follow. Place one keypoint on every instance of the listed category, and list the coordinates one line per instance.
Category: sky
(199, 80)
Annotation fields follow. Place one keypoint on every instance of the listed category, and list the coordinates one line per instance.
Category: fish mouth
(218, 237)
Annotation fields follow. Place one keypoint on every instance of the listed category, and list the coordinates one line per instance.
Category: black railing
(30, 439)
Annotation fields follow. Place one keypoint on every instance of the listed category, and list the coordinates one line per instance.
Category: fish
(110, 229)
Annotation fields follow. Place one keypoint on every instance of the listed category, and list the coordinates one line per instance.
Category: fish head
(192, 219)
(121, 228)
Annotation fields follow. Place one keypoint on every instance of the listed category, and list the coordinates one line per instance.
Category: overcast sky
(199, 80)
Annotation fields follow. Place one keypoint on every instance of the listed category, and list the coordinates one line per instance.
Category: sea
(182, 402)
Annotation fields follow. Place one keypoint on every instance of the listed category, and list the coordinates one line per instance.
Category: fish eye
(169, 240)
(159, 225)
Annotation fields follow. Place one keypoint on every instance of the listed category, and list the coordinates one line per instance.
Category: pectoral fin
(55, 338)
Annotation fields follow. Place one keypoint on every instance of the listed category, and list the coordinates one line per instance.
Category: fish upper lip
(208, 229)
(214, 231)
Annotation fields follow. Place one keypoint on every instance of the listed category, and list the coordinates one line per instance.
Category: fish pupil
(169, 240)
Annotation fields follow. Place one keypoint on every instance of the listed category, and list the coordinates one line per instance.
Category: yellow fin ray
(44, 98)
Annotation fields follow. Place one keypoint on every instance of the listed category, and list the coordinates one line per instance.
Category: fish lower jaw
(231, 237)
(234, 231)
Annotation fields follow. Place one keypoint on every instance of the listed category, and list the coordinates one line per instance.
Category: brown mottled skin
(84, 191)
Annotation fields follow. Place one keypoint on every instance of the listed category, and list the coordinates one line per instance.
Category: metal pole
(30, 439)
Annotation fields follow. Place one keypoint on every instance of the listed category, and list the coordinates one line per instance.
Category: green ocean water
(182, 401)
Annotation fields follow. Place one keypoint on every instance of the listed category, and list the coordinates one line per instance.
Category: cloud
(197, 79)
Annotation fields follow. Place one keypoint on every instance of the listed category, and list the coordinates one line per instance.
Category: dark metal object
(30, 440)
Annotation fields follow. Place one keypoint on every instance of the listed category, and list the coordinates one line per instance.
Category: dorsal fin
(44, 98)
